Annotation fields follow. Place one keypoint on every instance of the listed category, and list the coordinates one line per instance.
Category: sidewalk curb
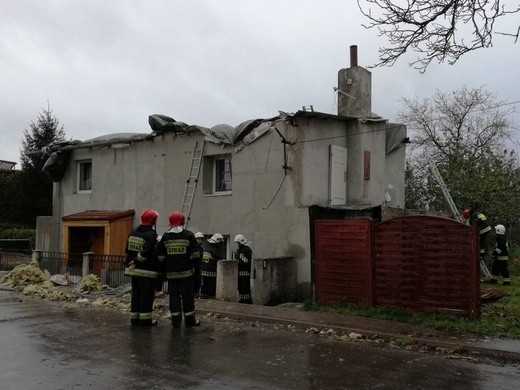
(465, 345)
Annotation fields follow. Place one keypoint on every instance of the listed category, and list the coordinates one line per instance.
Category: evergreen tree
(36, 196)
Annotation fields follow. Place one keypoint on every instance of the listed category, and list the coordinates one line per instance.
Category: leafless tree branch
(432, 28)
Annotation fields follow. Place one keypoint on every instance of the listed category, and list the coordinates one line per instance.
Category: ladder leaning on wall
(192, 180)
(483, 268)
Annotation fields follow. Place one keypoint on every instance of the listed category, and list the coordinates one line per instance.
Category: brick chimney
(354, 89)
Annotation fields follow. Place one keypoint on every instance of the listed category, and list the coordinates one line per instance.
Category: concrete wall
(227, 281)
(274, 280)
(355, 92)
(394, 174)
(152, 174)
(47, 233)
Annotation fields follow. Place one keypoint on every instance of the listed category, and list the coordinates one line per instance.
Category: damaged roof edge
(219, 133)
(321, 115)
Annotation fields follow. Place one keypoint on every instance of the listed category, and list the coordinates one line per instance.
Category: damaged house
(269, 179)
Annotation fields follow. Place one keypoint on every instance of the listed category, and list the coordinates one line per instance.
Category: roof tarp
(395, 134)
(221, 133)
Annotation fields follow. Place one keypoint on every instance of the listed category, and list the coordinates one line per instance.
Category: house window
(217, 173)
(84, 176)
(222, 174)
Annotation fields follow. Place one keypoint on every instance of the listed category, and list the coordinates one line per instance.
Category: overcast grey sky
(105, 66)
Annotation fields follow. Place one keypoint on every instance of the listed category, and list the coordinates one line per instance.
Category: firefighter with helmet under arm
(141, 265)
(244, 255)
(177, 249)
(208, 272)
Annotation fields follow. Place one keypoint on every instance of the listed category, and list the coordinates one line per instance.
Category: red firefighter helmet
(177, 219)
(149, 217)
(466, 214)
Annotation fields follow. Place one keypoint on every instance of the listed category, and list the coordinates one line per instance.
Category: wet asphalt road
(49, 345)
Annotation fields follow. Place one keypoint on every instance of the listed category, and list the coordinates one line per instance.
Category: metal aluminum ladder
(483, 268)
(192, 180)
(445, 191)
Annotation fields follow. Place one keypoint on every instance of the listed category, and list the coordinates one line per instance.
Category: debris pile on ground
(60, 280)
(110, 303)
(91, 283)
(490, 295)
(47, 290)
(24, 275)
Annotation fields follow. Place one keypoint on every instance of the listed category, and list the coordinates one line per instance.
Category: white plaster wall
(395, 174)
(311, 156)
(152, 174)
(366, 137)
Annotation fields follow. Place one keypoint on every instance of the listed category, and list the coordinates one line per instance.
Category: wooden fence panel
(427, 264)
(343, 261)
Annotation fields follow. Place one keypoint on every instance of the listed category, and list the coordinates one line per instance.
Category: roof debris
(25, 274)
(91, 283)
(47, 290)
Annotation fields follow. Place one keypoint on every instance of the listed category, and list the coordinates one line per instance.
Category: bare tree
(436, 29)
(467, 122)
(464, 132)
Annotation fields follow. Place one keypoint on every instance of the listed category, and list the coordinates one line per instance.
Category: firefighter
(484, 228)
(209, 266)
(500, 256)
(244, 255)
(199, 237)
(177, 249)
(141, 265)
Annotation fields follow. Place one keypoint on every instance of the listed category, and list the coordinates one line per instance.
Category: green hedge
(19, 233)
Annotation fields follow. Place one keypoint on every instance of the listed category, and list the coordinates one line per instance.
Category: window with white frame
(217, 175)
(84, 176)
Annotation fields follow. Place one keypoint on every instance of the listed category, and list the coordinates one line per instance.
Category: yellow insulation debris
(110, 303)
(24, 274)
(91, 283)
(47, 290)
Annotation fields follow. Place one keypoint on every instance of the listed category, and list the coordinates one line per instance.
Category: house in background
(268, 179)
(7, 165)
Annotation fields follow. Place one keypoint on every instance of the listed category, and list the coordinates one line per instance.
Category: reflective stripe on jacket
(140, 272)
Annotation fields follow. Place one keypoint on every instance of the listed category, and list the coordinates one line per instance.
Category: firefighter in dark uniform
(177, 249)
(501, 256)
(244, 255)
(484, 228)
(198, 263)
(209, 266)
(141, 265)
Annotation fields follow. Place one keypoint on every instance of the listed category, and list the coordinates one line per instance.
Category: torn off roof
(221, 133)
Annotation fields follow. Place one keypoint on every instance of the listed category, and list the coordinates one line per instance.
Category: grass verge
(498, 319)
